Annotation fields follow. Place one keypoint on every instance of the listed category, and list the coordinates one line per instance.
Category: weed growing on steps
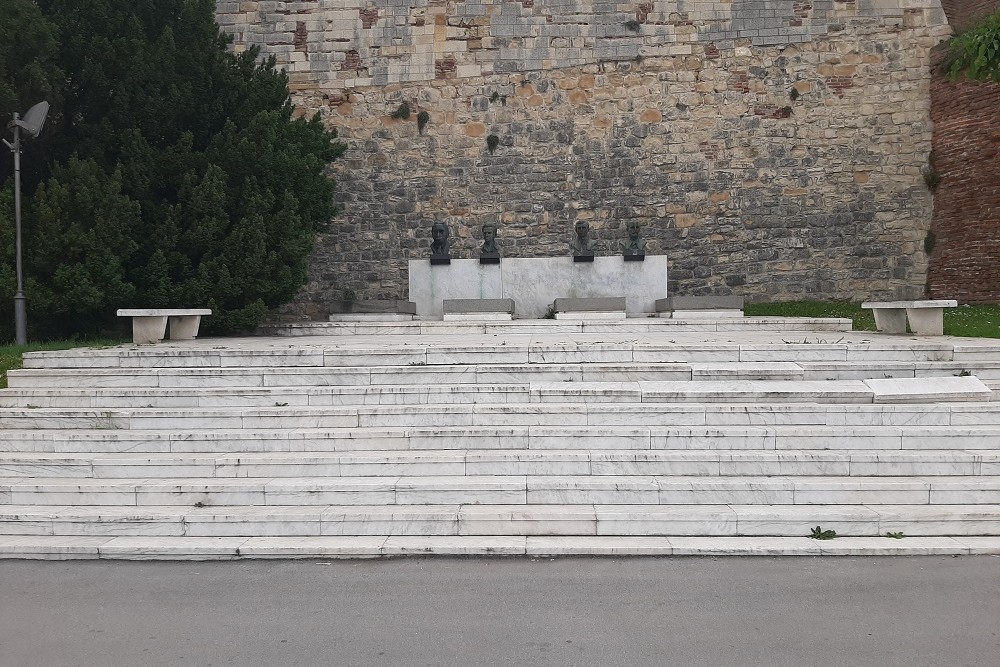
(895, 536)
(819, 534)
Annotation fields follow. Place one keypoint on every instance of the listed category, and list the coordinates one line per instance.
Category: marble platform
(522, 438)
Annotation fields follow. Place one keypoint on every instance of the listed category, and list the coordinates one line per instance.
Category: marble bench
(693, 307)
(599, 308)
(149, 325)
(926, 317)
(478, 309)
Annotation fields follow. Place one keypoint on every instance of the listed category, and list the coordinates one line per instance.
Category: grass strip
(11, 356)
(979, 321)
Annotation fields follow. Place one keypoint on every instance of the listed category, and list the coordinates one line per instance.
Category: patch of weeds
(550, 314)
(422, 119)
(964, 374)
(632, 25)
(281, 405)
(895, 536)
(785, 112)
(402, 112)
(929, 242)
(794, 94)
(417, 363)
(819, 534)
(492, 142)
(199, 504)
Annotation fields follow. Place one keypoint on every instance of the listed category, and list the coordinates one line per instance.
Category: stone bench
(478, 309)
(601, 308)
(693, 307)
(374, 310)
(149, 325)
(926, 317)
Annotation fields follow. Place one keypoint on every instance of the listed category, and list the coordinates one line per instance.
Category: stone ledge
(603, 304)
(455, 306)
(672, 303)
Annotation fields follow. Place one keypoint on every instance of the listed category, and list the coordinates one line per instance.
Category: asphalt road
(464, 612)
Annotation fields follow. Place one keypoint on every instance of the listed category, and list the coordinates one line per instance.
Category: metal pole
(20, 309)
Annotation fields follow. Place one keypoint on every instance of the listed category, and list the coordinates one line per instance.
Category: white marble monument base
(477, 317)
(371, 317)
(581, 315)
(535, 282)
(702, 314)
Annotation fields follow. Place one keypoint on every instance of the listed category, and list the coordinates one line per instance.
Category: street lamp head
(33, 120)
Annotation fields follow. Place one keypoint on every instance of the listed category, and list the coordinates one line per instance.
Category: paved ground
(704, 611)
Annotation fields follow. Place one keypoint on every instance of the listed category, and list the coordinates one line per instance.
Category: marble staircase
(643, 437)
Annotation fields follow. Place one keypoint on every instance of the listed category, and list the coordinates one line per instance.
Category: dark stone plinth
(672, 303)
(601, 304)
(479, 306)
(390, 306)
(637, 257)
(484, 259)
(583, 258)
(436, 261)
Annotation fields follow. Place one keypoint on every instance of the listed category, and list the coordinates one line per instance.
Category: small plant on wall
(402, 112)
(422, 119)
(492, 142)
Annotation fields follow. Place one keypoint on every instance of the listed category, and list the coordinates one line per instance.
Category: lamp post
(32, 123)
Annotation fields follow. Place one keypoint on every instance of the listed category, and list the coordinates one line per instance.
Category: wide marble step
(98, 379)
(858, 463)
(47, 547)
(715, 413)
(695, 391)
(405, 352)
(520, 327)
(721, 520)
(855, 430)
(505, 489)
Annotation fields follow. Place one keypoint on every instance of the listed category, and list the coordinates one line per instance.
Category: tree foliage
(976, 52)
(180, 175)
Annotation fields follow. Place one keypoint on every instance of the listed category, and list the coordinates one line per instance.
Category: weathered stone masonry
(965, 260)
(773, 149)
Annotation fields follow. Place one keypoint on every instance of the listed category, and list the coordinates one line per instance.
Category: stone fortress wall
(773, 149)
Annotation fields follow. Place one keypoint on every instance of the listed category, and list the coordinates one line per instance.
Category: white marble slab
(735, 391)
(938, 519)
(44, 547)
(528, 520)
(745, 546)
(654, 463)
(928, 389)
(172, 548)
(799, 520)
(723, 490)
(458, 545)
(528, 463)
(712, 438)
(312, 547)
(861, 491)
(391, 520)
(591, 545)
(665, 520)
(606, 490)
(964, 490)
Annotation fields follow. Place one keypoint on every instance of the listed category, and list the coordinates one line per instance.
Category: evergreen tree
(184, 178)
